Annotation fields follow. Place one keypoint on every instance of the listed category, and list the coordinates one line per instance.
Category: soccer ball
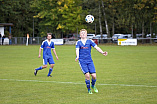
(89, 19)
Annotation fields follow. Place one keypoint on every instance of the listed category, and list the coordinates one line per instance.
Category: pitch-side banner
(127, 41)
(57, 41)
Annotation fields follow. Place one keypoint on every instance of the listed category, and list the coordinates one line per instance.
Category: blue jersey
(85, 50)
(47, 46)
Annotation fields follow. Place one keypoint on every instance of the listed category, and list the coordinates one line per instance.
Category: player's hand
(39, 56)
(105, 53)
(76, 59)
(57, 57)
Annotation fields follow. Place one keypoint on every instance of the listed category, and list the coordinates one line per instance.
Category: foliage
(62, 17)
(59, 15)
(19, 13)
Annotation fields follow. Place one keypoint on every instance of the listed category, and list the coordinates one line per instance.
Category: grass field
(128, 75)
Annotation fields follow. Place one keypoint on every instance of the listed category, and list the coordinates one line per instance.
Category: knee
(93, 76)
(87, 76)
(45, 66)
(52, 65)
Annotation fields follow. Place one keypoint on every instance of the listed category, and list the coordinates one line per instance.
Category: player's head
(83, 33)
(49, 35)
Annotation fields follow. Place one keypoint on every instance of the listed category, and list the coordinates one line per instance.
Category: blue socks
(88, 84)
(50, 71)
(93, 82)
(39, 68)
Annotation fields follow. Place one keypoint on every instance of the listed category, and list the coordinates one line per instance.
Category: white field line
(18, 80)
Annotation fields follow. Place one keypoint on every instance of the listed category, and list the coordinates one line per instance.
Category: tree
(100, 20)
(59, 15)
(107, 29)
(19, 13)
(146, 13)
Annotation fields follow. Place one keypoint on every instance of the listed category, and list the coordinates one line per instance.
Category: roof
(6, 24)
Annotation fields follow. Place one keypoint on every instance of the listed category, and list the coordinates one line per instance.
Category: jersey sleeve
(53, 46)
(77, 44)
(93, 43)
(42, 45)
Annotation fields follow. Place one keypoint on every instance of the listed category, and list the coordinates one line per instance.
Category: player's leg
(51, 62)
(85, 71)
(50, 70)
(93, 82)
(93, 74)
(93, 79)
(41, 67)
(87, 81)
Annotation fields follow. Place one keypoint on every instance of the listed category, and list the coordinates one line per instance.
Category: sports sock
(39, 68)
(50, 71)
(88, 84)
(93, 82)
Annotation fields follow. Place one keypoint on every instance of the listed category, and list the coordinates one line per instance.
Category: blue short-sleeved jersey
(85, 60)
(47, 46)
(85, 50)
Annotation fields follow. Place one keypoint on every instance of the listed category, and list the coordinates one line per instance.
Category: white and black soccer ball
(89, 19)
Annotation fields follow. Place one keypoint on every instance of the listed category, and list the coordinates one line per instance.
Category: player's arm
(40, 52)
(100, 50)
(54, 51)
(77, 54)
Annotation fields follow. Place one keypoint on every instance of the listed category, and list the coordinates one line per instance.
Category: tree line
(63, 17)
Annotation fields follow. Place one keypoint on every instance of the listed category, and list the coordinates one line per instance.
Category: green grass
(128, 75)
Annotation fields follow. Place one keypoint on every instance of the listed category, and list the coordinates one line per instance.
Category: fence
(38, 40)
(31, 40)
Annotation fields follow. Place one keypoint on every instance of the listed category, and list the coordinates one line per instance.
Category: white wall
(2, 30)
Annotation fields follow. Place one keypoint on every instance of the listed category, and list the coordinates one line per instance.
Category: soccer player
(83, 54)
(47, 45)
